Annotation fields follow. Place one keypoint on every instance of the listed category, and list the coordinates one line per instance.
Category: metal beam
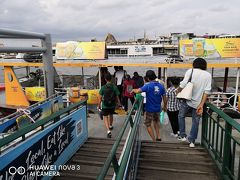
(48, 66)
(67, 63)
(22, 34)
(22, 49)
(14, 37)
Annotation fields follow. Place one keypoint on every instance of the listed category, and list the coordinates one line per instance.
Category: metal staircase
(165, 161)
(91, 157)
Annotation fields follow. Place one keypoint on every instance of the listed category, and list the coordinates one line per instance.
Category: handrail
(29, 107)
(6, 140)
(112, 155)
(227, 118)
(218, 139)
(125, 158)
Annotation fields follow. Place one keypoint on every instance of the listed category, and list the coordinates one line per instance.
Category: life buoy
(218, 99)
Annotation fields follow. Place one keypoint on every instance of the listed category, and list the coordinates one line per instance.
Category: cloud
(83, 20)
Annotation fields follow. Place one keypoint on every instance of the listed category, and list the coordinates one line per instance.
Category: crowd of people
(118, 89)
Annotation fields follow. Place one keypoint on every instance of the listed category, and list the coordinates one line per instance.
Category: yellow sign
(81, 50)
(35, 93)
(211, 48)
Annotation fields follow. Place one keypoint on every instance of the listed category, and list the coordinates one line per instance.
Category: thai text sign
(80, 50)
(211, 48)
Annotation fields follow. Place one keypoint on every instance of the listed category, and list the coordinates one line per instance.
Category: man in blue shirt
(155, 92)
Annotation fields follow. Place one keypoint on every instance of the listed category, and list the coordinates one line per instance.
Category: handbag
(186, 92)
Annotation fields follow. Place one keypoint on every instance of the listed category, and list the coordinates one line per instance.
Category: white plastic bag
(164, 118)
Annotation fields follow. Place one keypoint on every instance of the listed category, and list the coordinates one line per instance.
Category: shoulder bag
(186, 92)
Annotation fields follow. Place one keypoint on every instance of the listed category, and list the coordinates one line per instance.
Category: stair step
(99, 146)
(87, 149)
(176, 157)
(174, 170)
(180, 146)
(85, 152)
(166, 175)
(178, 166)
(78, 175)
(171, 151)
(103, 140)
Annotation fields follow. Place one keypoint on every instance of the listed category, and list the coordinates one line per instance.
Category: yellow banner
(211, 48)
(80, 50)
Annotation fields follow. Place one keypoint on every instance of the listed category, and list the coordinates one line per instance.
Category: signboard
(140, 50)
(81, 50)
(43, 154)
(36, 113)
(211, 48)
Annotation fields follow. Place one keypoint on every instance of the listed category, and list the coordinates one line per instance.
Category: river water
(130, 70)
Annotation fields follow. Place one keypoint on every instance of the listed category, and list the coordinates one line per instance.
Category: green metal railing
(125, 167)
(21, 133)
(221, 141)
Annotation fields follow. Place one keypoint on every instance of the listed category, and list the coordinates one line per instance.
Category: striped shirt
(173, 102)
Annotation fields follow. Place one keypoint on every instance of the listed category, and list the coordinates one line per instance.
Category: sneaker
(110, 127)
(192, 145)
(174, 135)
(109, 134)
(183, 139)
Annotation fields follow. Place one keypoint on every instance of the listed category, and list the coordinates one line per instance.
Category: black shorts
(106, 112)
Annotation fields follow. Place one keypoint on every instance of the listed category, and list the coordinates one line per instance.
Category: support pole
(159, 73)
(212, 72)
(99, 78)
(236, 90)
(164, 69)
(48, 69)
(225, 79)
(165, 76)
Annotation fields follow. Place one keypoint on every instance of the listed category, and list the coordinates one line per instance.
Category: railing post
(204, 124)
(131, 121)
(227, 149)
(115, 164)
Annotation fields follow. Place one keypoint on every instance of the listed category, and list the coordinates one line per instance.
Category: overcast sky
(87, 19)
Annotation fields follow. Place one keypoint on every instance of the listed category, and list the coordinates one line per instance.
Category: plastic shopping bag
(164, 118)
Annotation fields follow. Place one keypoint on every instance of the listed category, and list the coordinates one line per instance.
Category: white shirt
(119, 75)
(202, 83)
(144, 97)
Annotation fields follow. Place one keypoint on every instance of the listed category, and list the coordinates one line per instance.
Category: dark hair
(128, 77)
(200, 63)
(150, 74)
(175, 81)
(120, 67)
(108, 77)
(135, 73)
(115, 68)
(146, 79)
(104, 69)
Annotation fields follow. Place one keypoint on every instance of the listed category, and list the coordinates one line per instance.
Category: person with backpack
(155, 92)
(107, 102)
(128, 86)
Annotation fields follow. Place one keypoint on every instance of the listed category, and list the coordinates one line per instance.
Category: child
(173, 105)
